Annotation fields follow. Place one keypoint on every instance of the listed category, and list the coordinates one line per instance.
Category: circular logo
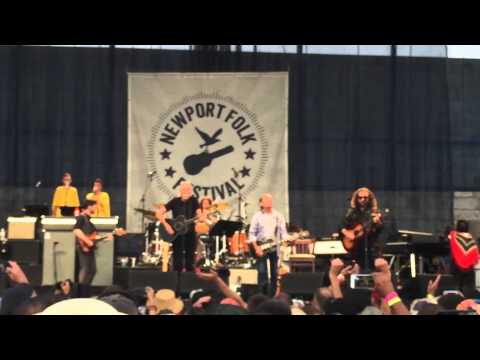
(212, 141)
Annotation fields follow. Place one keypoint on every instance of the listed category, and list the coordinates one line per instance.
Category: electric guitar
(270, 245)
(86, 248)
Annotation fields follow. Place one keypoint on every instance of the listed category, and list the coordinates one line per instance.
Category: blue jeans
(263, 273)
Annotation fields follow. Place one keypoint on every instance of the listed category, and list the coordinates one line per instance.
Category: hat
(165, 300)
(81, 307)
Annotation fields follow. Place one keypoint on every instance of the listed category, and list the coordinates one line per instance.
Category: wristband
(390, 296)
(394, 301)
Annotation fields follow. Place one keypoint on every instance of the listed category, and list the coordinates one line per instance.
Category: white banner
(227, 133)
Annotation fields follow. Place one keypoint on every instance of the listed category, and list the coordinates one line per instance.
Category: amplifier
(243, 276)
(21, 228)
(25, 251)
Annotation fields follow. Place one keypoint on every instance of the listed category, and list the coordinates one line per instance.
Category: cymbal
(220, 206)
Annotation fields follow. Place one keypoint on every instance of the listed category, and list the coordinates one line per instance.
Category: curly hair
(372, 200)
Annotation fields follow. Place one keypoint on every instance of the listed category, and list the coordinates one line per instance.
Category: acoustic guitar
(86, 248)
(352, 236)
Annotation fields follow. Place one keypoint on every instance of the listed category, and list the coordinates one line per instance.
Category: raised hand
(432, 286)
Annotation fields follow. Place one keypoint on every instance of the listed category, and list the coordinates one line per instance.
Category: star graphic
(166, 154)
(170, 172)
(250, 154)
(245, 172)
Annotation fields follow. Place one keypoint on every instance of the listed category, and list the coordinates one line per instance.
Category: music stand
(67, 211)
(36, 210)
(224, 227)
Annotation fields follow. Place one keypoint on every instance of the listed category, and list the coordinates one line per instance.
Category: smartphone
(361, 281)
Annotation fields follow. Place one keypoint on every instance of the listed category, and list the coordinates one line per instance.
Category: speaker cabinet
(138, 277)
(188, 281)
(26, 251)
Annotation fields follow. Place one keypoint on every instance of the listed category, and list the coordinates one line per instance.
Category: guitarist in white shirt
(267, 224)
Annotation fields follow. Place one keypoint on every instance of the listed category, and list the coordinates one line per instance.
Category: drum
(202, 228)
(238, 243)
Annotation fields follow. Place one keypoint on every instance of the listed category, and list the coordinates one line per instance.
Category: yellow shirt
(65, 197)
(103, 202)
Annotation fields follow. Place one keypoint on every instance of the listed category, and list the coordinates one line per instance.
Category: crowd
(386, 298)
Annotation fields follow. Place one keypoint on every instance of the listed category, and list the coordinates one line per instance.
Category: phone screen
(359, 281)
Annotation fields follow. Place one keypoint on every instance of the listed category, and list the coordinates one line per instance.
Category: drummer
(204, 224)
(160, 224)
(205, 220)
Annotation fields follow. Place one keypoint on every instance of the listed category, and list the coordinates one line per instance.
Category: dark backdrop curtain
(354, 121)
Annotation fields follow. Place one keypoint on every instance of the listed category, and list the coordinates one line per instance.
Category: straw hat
(165, 300)
(81, 307)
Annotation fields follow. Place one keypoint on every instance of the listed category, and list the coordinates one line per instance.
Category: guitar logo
(215, 142)
(194, 164)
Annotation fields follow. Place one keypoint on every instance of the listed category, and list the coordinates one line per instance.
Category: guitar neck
(221, 152)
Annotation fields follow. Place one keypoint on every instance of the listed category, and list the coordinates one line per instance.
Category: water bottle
(238, 286)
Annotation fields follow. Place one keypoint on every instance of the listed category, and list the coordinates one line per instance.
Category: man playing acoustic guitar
(362, 220)
(85, 235)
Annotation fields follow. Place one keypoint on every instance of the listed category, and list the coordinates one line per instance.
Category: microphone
(151, 173)
(37, 185)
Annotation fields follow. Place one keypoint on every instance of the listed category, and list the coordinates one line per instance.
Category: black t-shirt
(83, 223)
(186, 208)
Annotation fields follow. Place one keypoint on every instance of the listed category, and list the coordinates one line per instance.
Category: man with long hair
(362, 222)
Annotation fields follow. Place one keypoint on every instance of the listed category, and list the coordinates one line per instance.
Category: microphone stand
(55, 274)
(148, 183)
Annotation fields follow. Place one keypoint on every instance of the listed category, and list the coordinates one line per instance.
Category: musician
(83, 230)
(102, 198)
(65, 196)
(184, 245)
(267, 224)
(161, 224)
(363, 211)
(464, 255)
(202, 212)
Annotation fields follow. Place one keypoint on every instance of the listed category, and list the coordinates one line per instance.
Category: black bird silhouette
(209, 140)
